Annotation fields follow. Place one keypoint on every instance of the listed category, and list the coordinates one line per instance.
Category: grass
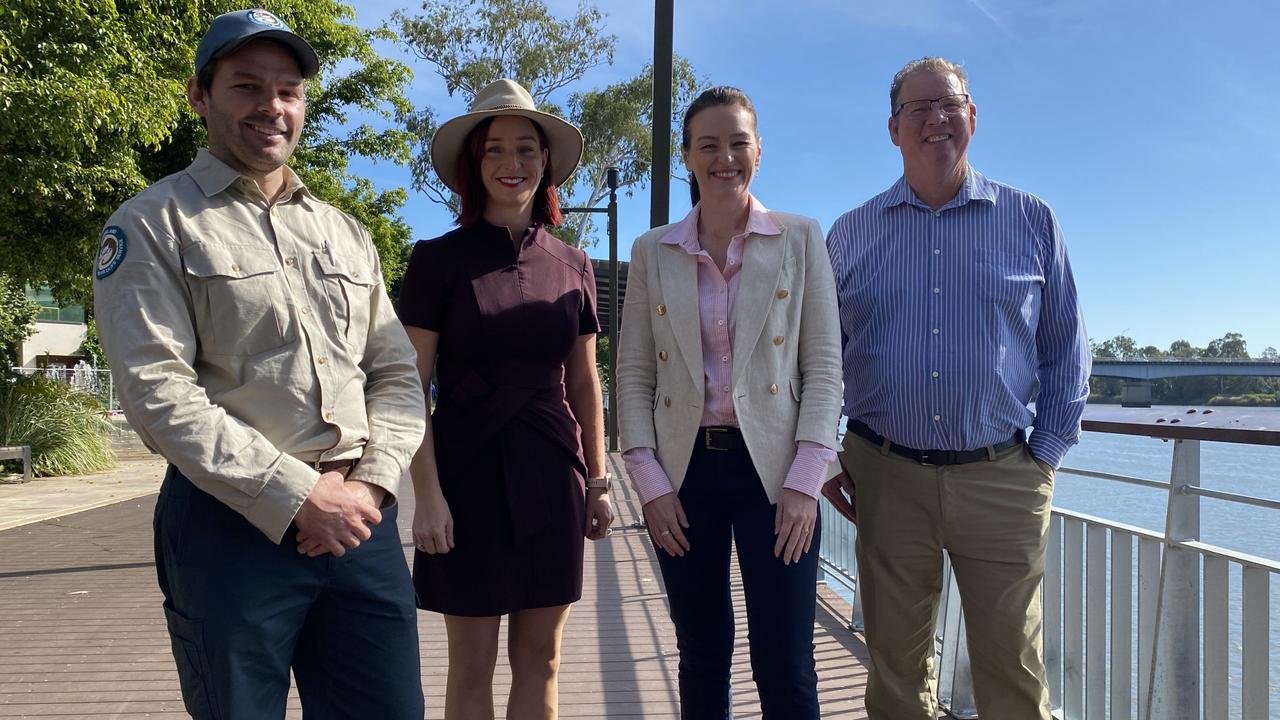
(67, 430)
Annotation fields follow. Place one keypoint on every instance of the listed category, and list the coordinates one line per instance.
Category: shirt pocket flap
(233, 261)
(350, 269)
(797, 385)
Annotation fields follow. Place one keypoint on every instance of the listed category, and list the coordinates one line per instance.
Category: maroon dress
(507, 445)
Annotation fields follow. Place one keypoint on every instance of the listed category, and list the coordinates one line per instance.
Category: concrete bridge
(1139, 373)
(1189, 367)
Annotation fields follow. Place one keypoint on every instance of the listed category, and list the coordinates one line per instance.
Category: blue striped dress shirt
(949, 317)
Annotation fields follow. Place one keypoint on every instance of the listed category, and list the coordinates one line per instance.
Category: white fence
(1136, 621)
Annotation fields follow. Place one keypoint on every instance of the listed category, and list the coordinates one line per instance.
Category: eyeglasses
(951, 105)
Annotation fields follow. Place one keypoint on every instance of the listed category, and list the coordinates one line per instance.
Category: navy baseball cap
(229, 31)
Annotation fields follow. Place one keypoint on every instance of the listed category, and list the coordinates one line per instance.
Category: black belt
(721, 437)
(934, 457)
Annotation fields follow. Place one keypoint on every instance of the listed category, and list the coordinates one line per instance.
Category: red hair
(546, 201)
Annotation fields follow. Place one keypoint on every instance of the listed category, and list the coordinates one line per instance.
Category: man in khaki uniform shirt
(255, 348)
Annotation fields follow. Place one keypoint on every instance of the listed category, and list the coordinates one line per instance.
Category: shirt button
(935, 373)
(937, 418)
(732, 262)
(288, 261)
(321, 360)
(306, 311)
(773, 389)
(724, 358)
(720, 322)
(662, 355)
(235, 267)
(935, 331)
(355, 274)
(783, 294)
(937, 290)
(328, 416)
(725, 388)
(778, 340)
(937, 251)
(662, 310)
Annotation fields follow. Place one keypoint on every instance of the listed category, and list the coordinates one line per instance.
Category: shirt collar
(214, 176)
(976, 187)
(685, 232)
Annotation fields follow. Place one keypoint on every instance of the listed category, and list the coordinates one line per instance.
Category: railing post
(615, 319)
(1175, 670)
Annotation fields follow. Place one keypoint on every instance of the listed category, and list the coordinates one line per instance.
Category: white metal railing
(83, 377)
(1136, 621)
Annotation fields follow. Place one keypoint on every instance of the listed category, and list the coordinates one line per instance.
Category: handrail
(1111, 587)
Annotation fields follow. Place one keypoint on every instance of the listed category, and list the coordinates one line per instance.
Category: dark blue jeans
(242, 611)
(725, 502)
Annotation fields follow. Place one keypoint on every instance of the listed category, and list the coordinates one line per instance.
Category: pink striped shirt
(717, 295)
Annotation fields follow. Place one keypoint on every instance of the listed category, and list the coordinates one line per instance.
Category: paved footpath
(82, 634)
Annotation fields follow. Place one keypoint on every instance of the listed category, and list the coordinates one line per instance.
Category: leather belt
(342, 466)
(934, 457)
(721, 437)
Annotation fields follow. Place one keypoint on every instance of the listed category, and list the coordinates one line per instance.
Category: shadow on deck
(82, 633)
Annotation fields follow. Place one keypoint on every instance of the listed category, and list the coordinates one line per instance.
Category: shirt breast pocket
(1011, 279)
(239, 299)
(348, 283)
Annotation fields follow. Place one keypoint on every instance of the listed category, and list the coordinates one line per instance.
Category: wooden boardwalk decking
(82, 634)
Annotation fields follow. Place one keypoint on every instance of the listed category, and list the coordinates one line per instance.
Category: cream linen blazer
(786, 350)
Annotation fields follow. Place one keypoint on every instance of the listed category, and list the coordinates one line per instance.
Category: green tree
(92, 109)
(470, 43)
(17, 313)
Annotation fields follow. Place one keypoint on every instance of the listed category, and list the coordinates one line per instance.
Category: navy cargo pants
(242, 611)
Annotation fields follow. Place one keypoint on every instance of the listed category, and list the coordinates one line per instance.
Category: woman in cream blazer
(729, 390)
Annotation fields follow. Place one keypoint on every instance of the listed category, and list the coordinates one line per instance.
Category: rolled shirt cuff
(646, 473)
(1047, 448)
(809, 468)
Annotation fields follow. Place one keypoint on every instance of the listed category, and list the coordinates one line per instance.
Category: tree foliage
(470, 43)
(17, 312)
(92, 109)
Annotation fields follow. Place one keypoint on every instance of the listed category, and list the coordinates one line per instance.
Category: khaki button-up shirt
(249, 340)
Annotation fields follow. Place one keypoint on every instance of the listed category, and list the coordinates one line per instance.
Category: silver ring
(804, 531)
(665, 533)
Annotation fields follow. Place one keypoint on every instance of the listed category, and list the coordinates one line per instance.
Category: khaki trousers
(992, 518)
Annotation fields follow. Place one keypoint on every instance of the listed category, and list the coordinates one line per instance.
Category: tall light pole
(660, 170)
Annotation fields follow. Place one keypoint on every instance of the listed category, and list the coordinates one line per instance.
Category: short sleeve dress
(507, 444)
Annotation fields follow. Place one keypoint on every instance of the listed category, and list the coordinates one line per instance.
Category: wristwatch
(600, 482)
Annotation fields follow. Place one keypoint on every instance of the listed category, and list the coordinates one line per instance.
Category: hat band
(508, 107)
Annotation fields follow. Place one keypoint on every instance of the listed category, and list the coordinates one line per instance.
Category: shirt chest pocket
(239, 299)
(348, 283)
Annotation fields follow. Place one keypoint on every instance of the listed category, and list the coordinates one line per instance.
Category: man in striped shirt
(956, 296)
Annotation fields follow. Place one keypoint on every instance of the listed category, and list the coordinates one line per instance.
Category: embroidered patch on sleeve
(111, 251)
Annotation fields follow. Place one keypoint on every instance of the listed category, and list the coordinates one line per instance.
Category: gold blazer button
(773, 389)
(662, 309)
(778, 340)
(662, 355)
(666, 402)
(783, 294)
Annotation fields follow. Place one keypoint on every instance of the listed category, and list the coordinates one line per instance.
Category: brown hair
(546, 201)
(711, 97)
(929, 63)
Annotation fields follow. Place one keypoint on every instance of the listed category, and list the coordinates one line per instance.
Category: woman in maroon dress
(510, 477)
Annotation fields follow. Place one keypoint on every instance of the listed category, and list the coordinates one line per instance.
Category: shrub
(67, 430)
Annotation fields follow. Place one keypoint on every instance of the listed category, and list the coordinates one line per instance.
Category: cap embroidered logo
(263, 17)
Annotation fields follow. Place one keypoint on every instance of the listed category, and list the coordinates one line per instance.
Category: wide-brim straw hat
(505, 97)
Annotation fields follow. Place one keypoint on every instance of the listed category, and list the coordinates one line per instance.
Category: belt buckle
(706, 437)
(924, 460)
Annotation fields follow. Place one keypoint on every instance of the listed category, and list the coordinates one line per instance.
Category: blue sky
(1150, 126)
